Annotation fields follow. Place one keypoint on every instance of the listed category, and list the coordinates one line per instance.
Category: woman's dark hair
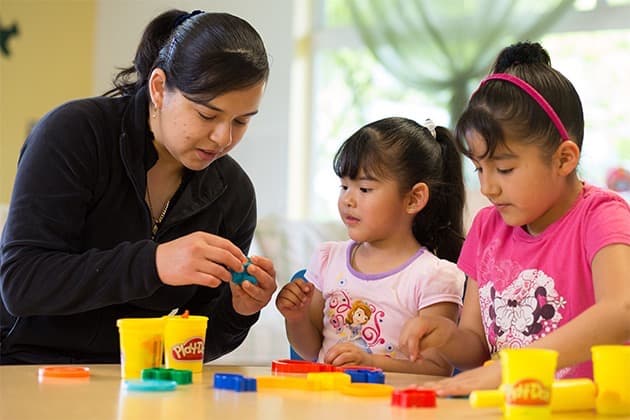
(499, 109)
(204, 55)
(402, 150)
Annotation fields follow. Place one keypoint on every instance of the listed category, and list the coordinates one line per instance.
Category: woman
(128, 205)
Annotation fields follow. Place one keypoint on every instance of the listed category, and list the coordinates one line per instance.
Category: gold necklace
(156, 222)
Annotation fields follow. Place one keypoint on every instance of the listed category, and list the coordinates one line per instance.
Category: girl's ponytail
(449, 200)
(155, 36)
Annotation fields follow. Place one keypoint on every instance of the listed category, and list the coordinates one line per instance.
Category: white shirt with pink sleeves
(370, 310)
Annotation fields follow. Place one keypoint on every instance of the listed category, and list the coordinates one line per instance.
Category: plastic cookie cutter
(239, 278)
(357, 367)
(327, 381)
(365, 374)
(282, 382)
(180, 376)
(368, 390)
(234, 382)
(150, 385)
(64, 372)
(299, 366)
(414, 397)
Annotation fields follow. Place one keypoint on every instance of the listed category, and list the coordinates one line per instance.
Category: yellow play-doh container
(184, 341)
(610, 373)
(528, 375)
(574, 394)
(141, 345)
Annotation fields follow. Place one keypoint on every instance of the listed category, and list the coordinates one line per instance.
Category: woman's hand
(249, 298)
(198, 258)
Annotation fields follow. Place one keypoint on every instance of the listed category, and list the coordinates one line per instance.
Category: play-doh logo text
(528, 392)
(190, 350)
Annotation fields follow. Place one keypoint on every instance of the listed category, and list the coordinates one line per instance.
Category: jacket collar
(136, 141)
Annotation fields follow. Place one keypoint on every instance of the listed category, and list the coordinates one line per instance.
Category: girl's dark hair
(204, 55)
(402, 150)
(499, 109)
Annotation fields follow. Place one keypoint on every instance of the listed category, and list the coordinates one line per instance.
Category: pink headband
(529, 89)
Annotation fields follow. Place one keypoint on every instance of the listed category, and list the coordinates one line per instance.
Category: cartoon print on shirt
(358, 315)
(526, 310)
(354, 321)
(518, 305)
(337, 304)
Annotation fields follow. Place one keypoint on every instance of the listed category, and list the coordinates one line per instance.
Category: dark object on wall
(5, 34)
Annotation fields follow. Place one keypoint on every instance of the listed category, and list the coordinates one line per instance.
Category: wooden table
(23, 396)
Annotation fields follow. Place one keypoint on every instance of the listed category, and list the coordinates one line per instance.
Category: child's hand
(423, 332)
(486, 377)
(347, 354)
(294, 299)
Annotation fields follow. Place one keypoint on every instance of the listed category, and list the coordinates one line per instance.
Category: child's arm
(349, 354)
(303, 309)
(606, 322)
(464, 346)
(431, 362)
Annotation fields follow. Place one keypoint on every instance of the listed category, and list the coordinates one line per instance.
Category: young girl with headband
(547, 263)
(401, 198)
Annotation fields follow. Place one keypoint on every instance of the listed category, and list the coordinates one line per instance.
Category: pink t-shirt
(531, 285)
(370, 310)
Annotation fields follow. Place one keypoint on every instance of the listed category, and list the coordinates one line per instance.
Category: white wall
(263, 152)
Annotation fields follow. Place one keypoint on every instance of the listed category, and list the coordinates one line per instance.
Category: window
(348, 88)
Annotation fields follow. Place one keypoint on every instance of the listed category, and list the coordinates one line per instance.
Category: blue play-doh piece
(150, 385)
(375, 377)
(249, 384)
(366, 376)
(357, 375)
(239, 278)
(230, 381)
(298, 275)
(234, 382)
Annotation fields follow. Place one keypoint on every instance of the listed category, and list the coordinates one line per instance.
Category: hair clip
(183, 18)
(430, 125)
